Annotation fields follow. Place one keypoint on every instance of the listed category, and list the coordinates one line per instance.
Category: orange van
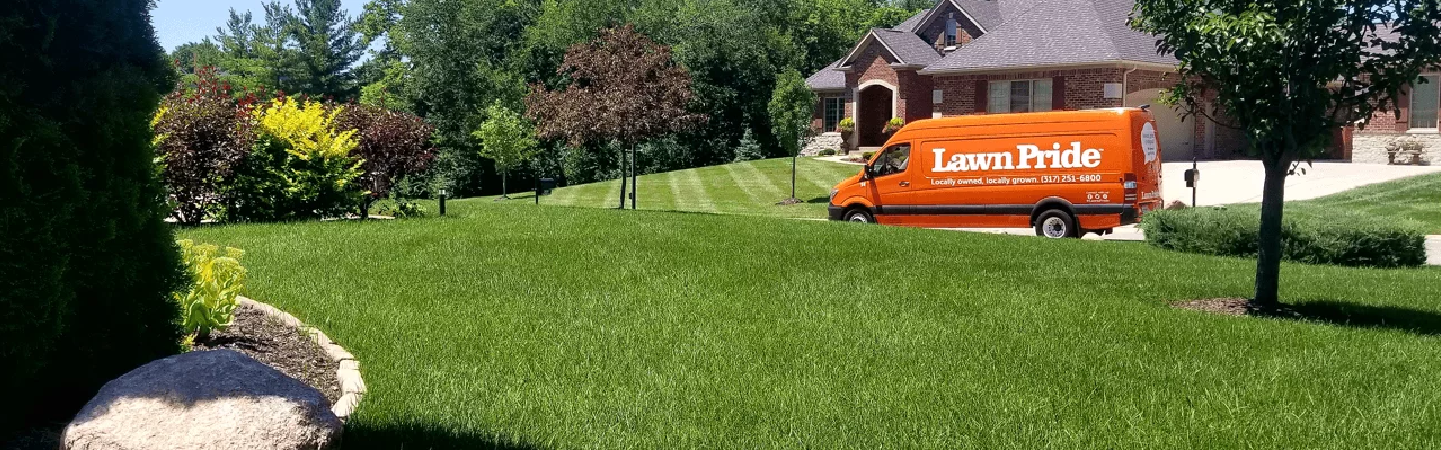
(1063, 173)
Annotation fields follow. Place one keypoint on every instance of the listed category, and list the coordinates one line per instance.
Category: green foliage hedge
(1339, 239)
(86, 260)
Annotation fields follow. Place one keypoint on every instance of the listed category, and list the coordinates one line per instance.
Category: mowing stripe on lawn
(744, 176)
(756, 176)
(686, 184)
(819, 176)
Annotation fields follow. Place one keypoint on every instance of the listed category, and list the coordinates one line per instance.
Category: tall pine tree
(328, 45)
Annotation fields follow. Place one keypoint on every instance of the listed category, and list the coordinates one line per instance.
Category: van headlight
(834, 191)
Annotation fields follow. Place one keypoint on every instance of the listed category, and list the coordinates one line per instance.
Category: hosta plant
(216, 276)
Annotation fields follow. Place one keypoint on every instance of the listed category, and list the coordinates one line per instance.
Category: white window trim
(1411, 109)
(825, 115)
(1032, 94)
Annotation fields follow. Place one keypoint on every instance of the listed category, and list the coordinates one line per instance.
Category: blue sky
(181, 21)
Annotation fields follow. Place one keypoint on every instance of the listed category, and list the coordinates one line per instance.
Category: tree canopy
(1290, 73)
(448, 60)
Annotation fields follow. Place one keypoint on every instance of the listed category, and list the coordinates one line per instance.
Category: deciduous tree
(791, 108)
(1290, 73)
(505, 138)
(624, 87)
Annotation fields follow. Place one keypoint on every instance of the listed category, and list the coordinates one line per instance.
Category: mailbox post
(1193, 178)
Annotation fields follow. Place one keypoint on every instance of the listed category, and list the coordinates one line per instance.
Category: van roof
(1021, 118)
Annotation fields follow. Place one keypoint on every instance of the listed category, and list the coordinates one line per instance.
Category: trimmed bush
(87, 263)
(391, 145)
(201, 136)
(1345, 240)
(828, 152)
(301, 167)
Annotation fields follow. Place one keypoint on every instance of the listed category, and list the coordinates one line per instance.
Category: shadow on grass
(1414, 321)
(359, 436)
(826, 200)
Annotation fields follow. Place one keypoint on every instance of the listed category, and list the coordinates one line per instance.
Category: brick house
(1415, 116)
(995, 56)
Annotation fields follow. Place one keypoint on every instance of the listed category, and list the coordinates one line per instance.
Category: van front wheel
(1056, 224)
(859, 215)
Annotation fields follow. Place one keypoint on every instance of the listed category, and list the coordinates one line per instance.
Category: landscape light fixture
(442, 203)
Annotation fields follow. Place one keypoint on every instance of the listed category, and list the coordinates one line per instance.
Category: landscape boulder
(214, 400)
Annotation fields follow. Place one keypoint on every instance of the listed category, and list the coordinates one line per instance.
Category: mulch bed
(279, 346)
(790, 201)
(1234, 307)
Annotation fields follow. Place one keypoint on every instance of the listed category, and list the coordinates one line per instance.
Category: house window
(835, 107)
(1020, 96)
(951, 30)
(1425, 99)
(937, 96)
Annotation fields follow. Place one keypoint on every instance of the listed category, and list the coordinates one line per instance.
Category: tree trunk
(623, 179)
(504, 192)
(634, 180)
(1269, 245)
(794, 157)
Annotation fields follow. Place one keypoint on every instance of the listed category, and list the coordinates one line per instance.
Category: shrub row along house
(1005, 56)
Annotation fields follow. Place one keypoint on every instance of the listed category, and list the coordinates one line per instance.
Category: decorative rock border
(352, 386)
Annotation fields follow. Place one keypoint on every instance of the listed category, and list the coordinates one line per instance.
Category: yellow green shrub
(308, 127)
(208, 303)
(301, 166)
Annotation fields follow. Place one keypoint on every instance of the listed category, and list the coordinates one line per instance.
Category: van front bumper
(837, 213)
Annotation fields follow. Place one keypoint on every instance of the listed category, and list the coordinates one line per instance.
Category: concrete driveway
(1233, 182)
(1237, 182)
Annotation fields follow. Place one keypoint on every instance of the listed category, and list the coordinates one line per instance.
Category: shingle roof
(1055, 32)
(907, 47)
(828, 78)
(913, 22)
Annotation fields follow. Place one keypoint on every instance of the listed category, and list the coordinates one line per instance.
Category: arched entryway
(1177, 133)
(875, 106)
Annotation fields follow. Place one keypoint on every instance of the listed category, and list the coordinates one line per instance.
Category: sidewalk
(1433, 250)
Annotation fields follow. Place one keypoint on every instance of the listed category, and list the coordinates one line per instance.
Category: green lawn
(511, 326)
(750, 188)
(1416, 198)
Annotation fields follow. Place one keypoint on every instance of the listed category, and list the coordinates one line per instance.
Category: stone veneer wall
(1370, 147)
(814, 145)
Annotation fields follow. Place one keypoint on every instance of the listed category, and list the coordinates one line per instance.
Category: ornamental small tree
(507, 139)
(791, 107)
(623, 88)
(1290, 73)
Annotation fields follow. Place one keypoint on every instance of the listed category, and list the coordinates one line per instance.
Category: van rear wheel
(859, 215)
(1056, 224)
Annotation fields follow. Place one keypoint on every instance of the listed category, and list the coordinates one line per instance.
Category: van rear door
(1146, 162)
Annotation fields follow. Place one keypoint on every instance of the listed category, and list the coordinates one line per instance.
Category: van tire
(859, 215)
(1056, 224)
